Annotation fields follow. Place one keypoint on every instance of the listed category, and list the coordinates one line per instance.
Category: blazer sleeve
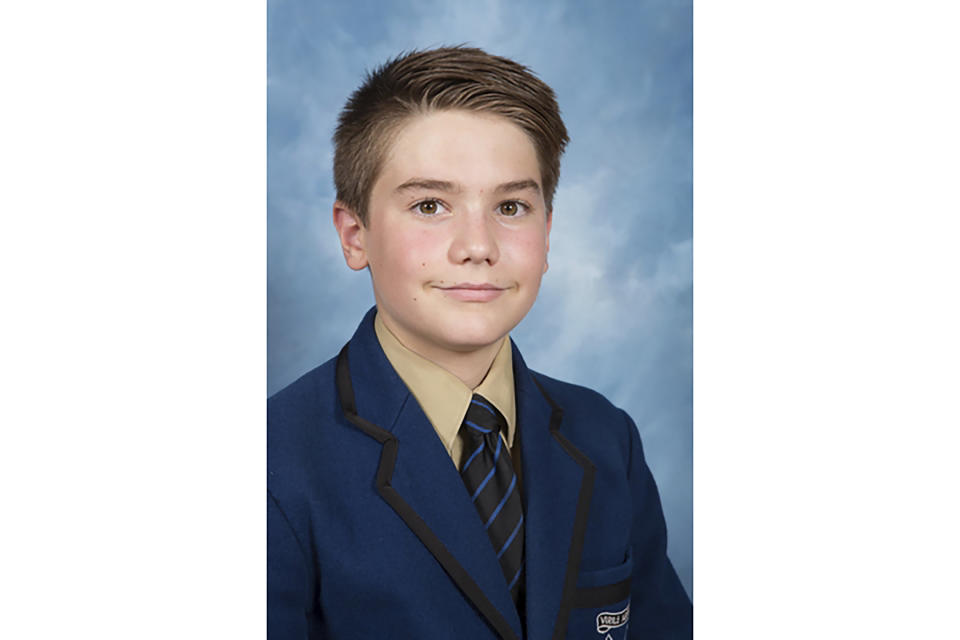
(289, 592)
(659, 606)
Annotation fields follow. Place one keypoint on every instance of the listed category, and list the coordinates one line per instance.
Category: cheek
(529, 253)
(417, 252)
(407, 257)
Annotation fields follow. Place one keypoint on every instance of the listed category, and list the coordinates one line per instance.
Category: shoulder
(589, 419)
(576, 400)
(310, 394)
(300, 418)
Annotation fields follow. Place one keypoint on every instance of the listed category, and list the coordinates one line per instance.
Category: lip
(473, 292)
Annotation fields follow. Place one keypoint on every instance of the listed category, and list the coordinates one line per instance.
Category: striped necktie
(488, 474)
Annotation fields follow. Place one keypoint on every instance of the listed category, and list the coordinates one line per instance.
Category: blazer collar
(382, 394)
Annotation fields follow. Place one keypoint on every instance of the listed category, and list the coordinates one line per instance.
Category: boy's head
(452, 157)
(441, 79)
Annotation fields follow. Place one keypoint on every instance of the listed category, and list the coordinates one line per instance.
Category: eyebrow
(518, 185)
(430, 184)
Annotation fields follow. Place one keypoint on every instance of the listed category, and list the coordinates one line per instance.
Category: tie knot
(482, 417)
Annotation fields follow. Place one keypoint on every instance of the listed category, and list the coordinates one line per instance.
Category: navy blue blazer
(372, 534)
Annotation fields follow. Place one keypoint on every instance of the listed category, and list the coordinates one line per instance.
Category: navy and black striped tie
(488, 473)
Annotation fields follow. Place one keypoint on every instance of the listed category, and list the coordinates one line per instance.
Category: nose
(475, 238)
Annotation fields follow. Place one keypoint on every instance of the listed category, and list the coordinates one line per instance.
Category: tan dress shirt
(443, 397)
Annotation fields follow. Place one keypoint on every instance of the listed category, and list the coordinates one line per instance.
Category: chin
(476, 335)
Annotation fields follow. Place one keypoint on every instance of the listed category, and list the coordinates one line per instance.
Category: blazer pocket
(602, 580)
(601, 603)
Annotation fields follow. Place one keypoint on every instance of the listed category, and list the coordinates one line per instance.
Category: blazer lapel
(419, 481)
(557, 486)
(446, 520)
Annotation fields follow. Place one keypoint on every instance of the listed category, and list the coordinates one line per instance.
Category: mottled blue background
(615, 308)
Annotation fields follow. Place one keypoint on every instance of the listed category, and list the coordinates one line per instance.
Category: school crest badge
(607, 620)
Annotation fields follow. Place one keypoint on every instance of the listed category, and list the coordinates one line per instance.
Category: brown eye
(509, 208)
(427, 207)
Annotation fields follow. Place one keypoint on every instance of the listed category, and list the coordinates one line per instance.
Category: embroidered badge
(607, 620)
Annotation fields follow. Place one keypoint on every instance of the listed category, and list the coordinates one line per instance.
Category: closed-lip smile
(472, 291)
(476, 287)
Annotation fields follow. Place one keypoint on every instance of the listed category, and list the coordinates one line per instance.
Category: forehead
(468, 148)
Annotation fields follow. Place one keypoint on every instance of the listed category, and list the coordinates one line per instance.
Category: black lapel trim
(568, 601)
(602, 596)
(388, 459)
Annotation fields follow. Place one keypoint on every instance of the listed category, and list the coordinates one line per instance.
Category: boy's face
(457, 234)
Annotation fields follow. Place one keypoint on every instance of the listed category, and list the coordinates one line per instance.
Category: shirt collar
(443, 397)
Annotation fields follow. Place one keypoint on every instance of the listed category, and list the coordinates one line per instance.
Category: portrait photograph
(614, 311)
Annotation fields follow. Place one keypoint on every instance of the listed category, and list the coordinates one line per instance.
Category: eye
(511, 208)
(427, 207)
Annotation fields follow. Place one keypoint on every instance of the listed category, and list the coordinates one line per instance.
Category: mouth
(473, 292)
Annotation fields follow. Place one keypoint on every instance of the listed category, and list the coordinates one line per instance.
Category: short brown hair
(434, 80)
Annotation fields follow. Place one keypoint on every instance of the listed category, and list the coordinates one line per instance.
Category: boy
(425, 483)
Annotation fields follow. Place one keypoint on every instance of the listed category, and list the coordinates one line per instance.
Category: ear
(546, 263)
(352, 235)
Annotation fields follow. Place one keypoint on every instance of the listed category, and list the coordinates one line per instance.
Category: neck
(469, 366)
